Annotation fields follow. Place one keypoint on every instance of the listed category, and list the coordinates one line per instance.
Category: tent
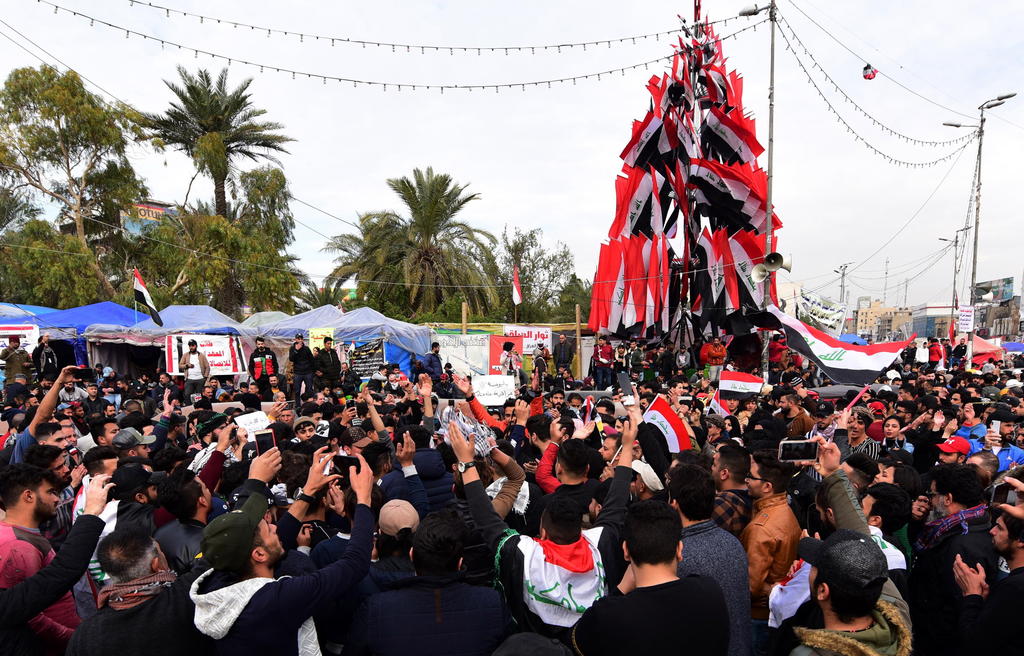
(139, 347)
(984, 350)
(850, 338)
(265, 318)
(1014, 347)
(19, 310)
(69, 325)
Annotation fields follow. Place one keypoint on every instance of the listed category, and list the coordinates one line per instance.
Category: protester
(197, 370)
(303, 364)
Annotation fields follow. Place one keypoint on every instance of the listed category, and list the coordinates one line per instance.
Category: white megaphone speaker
(759, 273)
(776, 261)
(987, 296)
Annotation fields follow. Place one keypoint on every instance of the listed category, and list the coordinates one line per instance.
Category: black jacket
(180, 543)
(935, 599)
(350, 382)
(990, 626)
(36, 593)
(429, 615)
(301, 359)
(328, 363)
(164, 624)
(563, 353)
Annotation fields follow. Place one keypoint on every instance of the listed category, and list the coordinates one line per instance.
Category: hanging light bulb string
(876, 122)
(422, 48)
(399, 86)
(890, 159)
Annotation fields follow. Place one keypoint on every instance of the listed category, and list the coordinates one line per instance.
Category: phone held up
(798, 450)
(264, 440)
(626, 385)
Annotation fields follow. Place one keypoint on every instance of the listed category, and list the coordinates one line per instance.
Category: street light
(988, 104)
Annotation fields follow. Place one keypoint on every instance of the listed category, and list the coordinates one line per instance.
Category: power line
(876, 122)
(423, 48)
(263, 67)
(856, 135)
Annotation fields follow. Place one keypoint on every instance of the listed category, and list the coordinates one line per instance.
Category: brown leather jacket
(770, 540)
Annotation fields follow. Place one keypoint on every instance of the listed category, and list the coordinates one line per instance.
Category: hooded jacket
(436, 479)
(274, 616)
(889, 635)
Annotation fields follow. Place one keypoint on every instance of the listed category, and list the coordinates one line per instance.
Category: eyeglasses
(748, 477)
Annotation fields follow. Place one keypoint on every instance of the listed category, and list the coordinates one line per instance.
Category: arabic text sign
(529, 334)
(494, 390)
(223, 352)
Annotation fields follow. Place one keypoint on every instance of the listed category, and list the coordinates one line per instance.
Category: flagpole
(768, 200)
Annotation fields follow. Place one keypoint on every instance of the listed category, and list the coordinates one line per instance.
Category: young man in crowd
(729, 468)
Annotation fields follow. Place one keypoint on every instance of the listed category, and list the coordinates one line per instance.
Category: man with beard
(958, 530)
(241, 604)
(54, 459)
(30, 495)
(263, 364)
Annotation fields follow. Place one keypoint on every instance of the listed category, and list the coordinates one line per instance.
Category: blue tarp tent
(850, 338)
(70, 325)
(19, 310)
(1013, 347)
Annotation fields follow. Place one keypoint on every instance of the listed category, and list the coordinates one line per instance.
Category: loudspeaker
(776, 261)
(759, 273)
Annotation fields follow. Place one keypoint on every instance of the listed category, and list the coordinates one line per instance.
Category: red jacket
(712, 355)
(934, 352)
(603, 355)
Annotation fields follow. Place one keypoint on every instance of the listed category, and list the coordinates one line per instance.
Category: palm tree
(215, 125)
(426, 256)
(312, 295)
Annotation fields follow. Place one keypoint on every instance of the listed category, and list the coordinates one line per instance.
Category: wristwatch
(311, 500)
(463, 466)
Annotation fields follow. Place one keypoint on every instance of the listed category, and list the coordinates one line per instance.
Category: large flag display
(844, 363)
(142, 296)
(660, 414)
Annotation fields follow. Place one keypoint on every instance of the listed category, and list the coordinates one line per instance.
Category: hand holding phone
(264, 440)
(798, 451)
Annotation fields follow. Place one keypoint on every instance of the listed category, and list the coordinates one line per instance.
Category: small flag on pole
(517, 292)
(142, 296)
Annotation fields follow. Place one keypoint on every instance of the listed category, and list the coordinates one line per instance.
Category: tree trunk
(94, 264)
(220, 200)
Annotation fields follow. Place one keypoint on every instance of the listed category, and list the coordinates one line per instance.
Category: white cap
(648, 476)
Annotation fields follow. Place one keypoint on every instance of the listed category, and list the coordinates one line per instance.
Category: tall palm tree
(215, 125)
(330, 292)
(426, 256)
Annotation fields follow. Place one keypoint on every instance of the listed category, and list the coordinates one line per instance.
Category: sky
(547, 157)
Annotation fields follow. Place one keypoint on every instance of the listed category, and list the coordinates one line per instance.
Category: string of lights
(888, 158)
(263, 67)
(422, 48)
(877, 123)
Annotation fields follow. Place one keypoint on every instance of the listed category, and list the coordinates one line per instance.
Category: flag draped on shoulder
(733, 385)
(661, 414)
(142, 296)
(844, 363)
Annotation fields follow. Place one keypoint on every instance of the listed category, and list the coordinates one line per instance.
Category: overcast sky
(547, 158)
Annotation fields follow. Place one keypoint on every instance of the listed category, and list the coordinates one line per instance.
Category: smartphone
(1003, 493)
(994, 426)
(451, 403)
(798, 450)
(264, 440)
(85, 374)
(626, 385)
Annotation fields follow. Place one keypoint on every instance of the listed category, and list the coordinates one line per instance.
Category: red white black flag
(142, 296)
(517, 292)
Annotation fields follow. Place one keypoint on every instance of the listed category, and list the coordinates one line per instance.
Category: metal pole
(952, 303)
(977, 223)
(579, 345)
(768, 200)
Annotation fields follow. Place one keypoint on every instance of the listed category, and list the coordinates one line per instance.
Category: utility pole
(988, 104)
(753, 11)
(885, 285)
(956, 270)
(906, 290)
(842, 290)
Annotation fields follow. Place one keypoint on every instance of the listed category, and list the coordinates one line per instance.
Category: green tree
(424, 257)
(215, 126)
(66, 144)
(544, 272)
(328, 292)
(44, 267)
(15, 209)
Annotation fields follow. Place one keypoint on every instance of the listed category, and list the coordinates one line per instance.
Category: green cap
(228, 539)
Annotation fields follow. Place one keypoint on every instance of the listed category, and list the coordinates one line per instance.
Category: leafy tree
(15, 209)
(215, 126)
(424, 257)
(543, 275)
(44, 267)
(66, 144)
(329, 292)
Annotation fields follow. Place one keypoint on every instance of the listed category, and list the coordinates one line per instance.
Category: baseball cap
(303, 420)
(1013, 383)
(846, 560)
(396, 515)
(127, 438)
(955, 444)
(359, 437)
(825, 409)
(876, 407)
(892, 374)
(648, 476)
(191, 342)
(129, 479)
(228, 539)
(793, 380)
(299, 336)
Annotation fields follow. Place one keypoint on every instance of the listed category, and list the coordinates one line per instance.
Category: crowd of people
(399, 515)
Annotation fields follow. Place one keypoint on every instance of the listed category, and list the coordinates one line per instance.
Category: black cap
(825, 409)
(193, 342)
(793, 380)
(129, 479)
(847, 560)
(299, 336)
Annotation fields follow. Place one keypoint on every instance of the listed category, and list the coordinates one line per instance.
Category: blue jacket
(1009, 456)
(428, 615)
(432, 365)
(435, 478)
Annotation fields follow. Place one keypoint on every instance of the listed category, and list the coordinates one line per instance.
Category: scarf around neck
(934, 531)
(121, 596)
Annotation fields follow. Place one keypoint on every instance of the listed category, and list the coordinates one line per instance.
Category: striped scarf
(936, 530)
(122, 596)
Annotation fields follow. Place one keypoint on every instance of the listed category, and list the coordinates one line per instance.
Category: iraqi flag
(733, 385)
(517, 291)
(142, 296)
(661, 414)
(844, 363)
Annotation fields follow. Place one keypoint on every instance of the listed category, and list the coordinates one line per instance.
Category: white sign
(29, 334)
(965, 321)
(494, 390)
(468, 354)
(252, 422)
(530, 334)
(223, 352)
